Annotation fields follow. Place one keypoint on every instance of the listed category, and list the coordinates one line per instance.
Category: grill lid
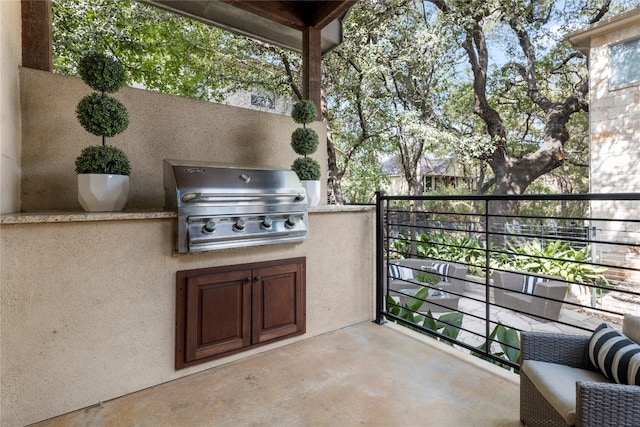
(225, 205)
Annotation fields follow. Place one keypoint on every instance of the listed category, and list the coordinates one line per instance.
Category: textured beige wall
(161, 126)
(88, 308)
(10, 58)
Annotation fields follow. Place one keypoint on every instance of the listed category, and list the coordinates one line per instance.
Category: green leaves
(304, 141)
(306, 168)
(304, 112)
(104, 159)
(101, 72)
(102, 115)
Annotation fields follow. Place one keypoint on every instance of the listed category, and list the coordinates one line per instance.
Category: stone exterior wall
(614, 118)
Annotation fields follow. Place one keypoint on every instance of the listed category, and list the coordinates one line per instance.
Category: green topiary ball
(304, 141)
(101, 72)
(306, 168)
(103, 159)
(102, 115)
(304, 112)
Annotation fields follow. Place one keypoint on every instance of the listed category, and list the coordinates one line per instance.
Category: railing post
(379, 259)
(487, 277)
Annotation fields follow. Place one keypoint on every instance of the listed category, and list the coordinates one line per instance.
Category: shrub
(304, 141)
(306, 168)
(103, 159)
(304, 112)
(102, 115)
(101, 72)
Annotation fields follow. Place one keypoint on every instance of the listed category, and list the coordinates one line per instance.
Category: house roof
(276, 22)
(581, 39)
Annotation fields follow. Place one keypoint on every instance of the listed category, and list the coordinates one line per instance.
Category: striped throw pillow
(530, 282)
(398, 272)
(442, 269)
(615, 355)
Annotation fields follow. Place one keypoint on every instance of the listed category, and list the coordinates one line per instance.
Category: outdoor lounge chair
(560, 386)
(443, 296)
(453, 274)
(539, 295)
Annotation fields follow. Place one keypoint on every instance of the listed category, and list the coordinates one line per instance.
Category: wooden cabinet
(223, 310)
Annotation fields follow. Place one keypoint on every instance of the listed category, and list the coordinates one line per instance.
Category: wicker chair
(554, 394)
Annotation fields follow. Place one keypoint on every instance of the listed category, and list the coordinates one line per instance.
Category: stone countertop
(79, 216)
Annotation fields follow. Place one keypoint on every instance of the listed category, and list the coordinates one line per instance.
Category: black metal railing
(583, 249)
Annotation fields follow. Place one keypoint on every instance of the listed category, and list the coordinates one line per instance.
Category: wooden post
(311, 59)
(37, 50)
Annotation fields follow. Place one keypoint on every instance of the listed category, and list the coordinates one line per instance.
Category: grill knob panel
(266, 223)
(239, 225)
(291, 222)
(209, 227)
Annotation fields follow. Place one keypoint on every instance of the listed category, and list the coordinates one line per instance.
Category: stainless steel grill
(224, 206)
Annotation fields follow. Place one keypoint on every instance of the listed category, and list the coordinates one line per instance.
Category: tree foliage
(492, 80)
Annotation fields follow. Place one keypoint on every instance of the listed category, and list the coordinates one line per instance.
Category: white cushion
(615, 355)
(557, 383)
(398, 272)
(529, 283)
(631, 327)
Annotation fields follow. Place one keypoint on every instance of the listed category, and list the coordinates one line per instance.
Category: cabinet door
(218, 313)
(278, 301)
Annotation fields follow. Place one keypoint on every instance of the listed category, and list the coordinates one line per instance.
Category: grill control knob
(239, 225)
(291, 222)
(209, 227)
(266, 223)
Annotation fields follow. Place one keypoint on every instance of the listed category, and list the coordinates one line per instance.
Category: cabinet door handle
(257, 278)
(247, 279)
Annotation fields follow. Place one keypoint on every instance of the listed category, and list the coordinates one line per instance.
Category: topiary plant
(103, 159)
(304, 141)
(102, 115)
(306, 168)
(101, 72)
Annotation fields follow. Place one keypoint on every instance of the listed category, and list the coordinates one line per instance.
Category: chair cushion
(529, 283)
(615, 355)
(398, 272)
(442, 269)
(631, 327)
(557, 383)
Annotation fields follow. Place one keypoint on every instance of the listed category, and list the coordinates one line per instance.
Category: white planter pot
(102, 192)
(313, 192)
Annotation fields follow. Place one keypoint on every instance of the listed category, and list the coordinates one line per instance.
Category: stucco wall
(88, 308)
(161, 127)
(10, 57)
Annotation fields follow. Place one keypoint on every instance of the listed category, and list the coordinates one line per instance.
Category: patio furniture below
(539, 295)
(453, 278)
(560, 386)
(437, 301)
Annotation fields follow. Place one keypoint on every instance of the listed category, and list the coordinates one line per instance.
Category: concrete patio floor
(362, 375)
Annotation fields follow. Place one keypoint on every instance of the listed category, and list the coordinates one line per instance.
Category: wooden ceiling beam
(37, 50)
(327, 11)
(311, 65)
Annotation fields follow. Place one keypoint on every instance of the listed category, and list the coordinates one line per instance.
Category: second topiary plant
(105, 116)
(304, 141)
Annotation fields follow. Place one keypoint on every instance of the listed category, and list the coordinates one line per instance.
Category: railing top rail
(491, 197)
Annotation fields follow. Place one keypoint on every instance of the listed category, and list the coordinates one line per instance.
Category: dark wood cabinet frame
(225, 310)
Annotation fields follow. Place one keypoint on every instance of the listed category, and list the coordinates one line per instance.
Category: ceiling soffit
(276, 22)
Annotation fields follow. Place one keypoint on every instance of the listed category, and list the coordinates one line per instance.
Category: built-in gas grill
(224, 206)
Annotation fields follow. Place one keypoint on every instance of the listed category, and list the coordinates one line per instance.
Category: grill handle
(237, 197)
